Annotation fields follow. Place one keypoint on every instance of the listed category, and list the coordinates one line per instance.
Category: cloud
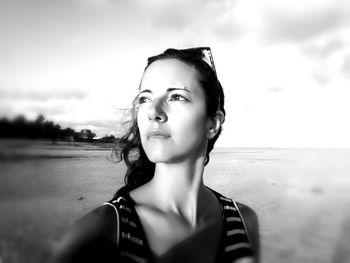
(228, 30)
(170, 16)
(323, 50)
(15, 93)
(298, 25)
(276, 89)
(32, 108)
(324, 55)
(345, 69)
(321, 77)
(54, 102)
(206, 18)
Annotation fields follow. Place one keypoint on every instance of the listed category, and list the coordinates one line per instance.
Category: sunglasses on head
(205, 54)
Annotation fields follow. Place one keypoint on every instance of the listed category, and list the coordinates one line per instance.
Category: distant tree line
(40, 128)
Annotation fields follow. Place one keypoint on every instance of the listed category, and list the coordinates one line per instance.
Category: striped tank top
(132, 243)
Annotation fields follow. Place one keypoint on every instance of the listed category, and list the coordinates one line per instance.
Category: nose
(156, 111)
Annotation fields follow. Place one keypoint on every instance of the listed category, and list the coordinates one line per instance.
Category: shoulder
(91, 237)
(250, 219)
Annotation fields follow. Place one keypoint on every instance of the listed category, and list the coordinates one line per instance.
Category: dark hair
(128, 148)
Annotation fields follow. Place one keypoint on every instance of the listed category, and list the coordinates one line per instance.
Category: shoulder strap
(236, 242)
(115, 202)
(131, 245)
(117, 219)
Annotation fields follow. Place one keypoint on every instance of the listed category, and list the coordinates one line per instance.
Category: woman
(165, 213)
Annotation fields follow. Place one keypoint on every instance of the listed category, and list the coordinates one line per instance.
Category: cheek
(192, 123)
(141, 122)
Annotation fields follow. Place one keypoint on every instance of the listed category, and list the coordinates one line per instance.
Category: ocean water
(301, 196)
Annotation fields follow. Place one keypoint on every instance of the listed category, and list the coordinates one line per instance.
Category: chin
(158, 157)
(168, 154)
(166, 157)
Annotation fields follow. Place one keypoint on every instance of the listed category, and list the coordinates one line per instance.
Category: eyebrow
(168, 90)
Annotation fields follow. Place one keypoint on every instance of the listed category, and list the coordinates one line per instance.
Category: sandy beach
(301, 196)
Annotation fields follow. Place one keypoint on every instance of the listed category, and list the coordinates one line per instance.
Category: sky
(284, 65)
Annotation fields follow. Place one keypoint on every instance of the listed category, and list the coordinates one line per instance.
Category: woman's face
(172, 116)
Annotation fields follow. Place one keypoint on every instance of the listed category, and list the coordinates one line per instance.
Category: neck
(180, 189)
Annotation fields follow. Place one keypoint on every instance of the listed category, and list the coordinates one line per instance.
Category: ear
(214, 124)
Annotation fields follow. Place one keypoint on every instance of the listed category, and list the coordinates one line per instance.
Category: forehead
(167, 73)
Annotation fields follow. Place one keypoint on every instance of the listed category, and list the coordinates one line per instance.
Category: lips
(157, 134)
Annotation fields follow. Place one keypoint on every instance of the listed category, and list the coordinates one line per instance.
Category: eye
(143, 99)
(177, 97)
